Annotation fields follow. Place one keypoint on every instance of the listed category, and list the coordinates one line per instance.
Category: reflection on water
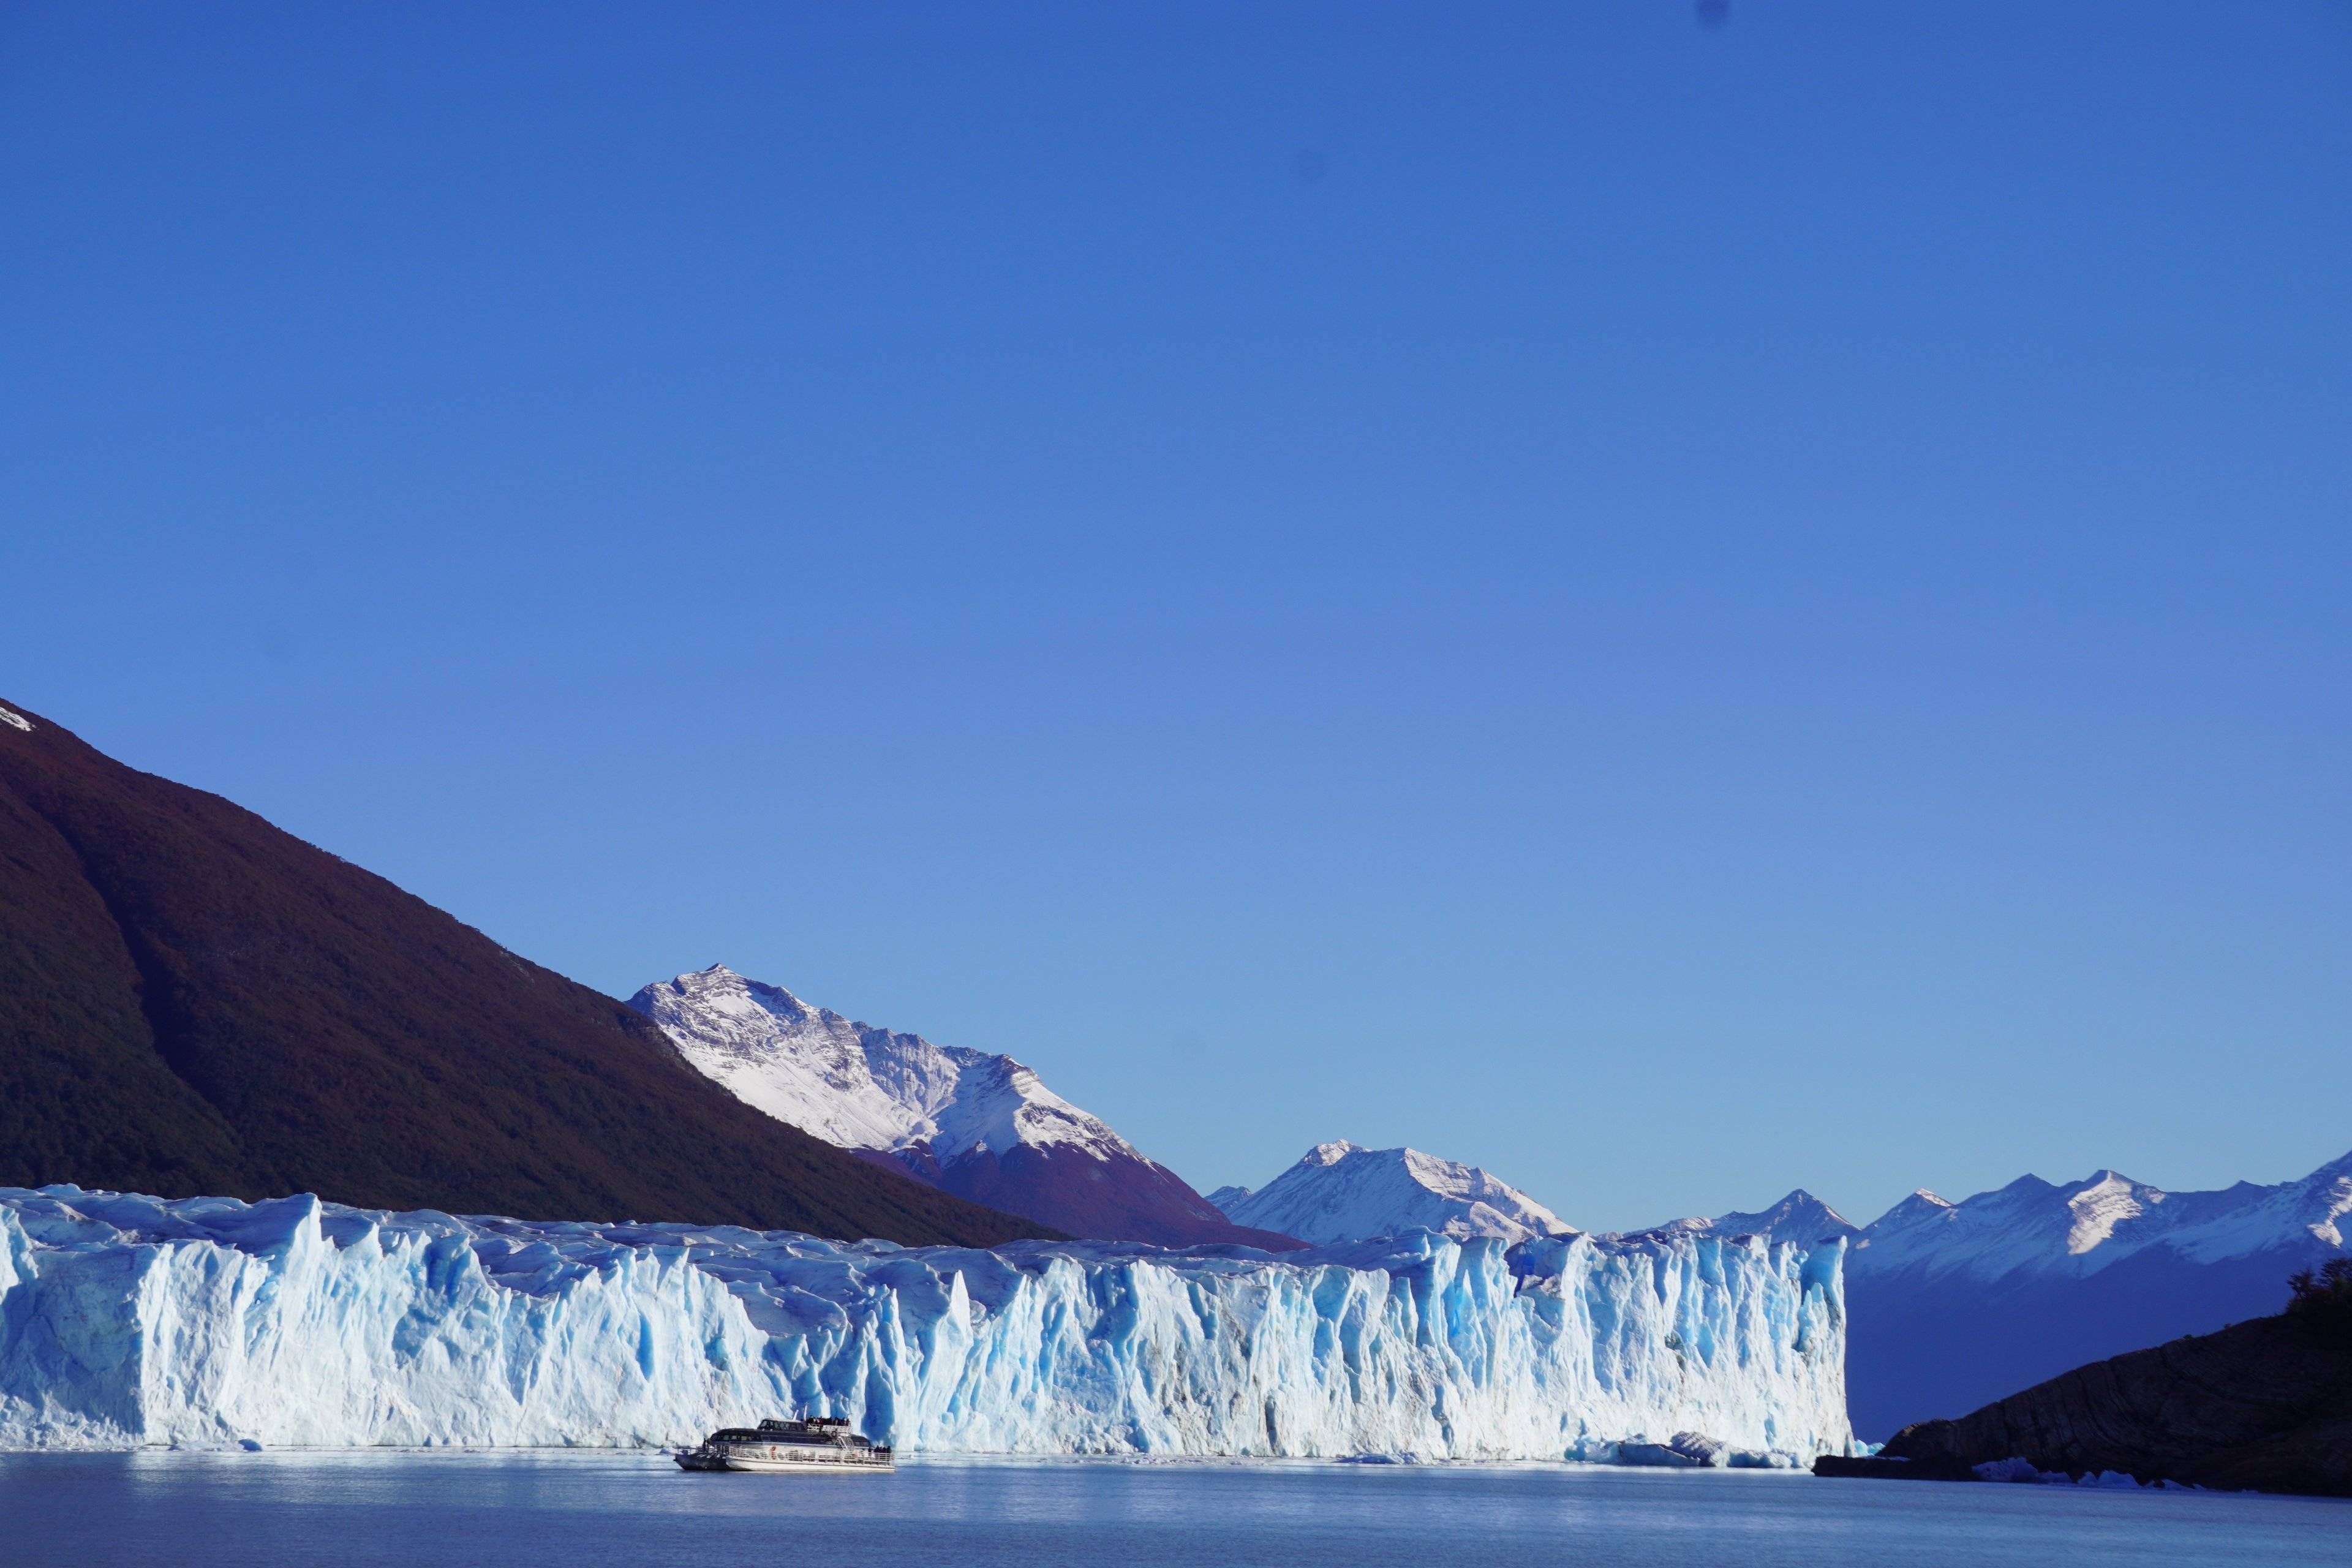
(95, 1511)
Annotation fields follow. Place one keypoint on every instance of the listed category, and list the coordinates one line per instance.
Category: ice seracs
(128, 1321)
(1339, 1192)
(978, 1125)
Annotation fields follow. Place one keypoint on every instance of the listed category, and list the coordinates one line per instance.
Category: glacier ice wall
(128, 1321)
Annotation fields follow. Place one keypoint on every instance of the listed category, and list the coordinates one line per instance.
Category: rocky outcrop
(2264, 1406)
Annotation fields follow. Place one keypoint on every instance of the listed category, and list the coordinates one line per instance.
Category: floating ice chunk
(2012, 1468)
(1766, 1460)
(2110, 1480)
(1684, 1450)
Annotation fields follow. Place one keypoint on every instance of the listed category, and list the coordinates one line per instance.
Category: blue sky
(1677, 611)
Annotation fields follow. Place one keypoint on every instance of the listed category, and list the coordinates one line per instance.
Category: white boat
(820, 1444)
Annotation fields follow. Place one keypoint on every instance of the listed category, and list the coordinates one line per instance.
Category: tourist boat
(821, 1442)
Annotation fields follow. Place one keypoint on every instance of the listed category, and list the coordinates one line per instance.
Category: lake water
(520, 1511)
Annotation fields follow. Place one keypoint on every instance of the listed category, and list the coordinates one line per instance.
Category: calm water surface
(404, 1510)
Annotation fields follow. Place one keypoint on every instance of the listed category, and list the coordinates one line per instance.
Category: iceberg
(128, 1322)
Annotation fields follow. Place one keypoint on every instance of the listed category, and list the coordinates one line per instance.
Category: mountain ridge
(193, 1001)
(1340, 1192)
(977, 1124)
(1955, 1303)
(1799, 1216)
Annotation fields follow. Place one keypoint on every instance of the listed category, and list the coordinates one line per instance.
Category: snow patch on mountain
(128, 1321)
(14, 720)
(1339, 1192)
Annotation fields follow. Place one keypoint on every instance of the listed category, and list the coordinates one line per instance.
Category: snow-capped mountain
(1958, 1304)
(974, 1124)
(1339, 1192)
(2037, 1230)
(1799, 1216)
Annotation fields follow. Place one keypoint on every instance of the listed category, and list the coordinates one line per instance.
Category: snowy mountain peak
(1341, 1191)
(2103, 1203)
(857, 1085)
(1799, 1212)
(1921, 1208)
(1799, 1217)
(978, 1125)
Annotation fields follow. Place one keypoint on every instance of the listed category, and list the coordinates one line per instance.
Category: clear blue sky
(1674, 610)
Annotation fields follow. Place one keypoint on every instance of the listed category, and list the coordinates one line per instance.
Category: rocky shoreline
(2263, 1405)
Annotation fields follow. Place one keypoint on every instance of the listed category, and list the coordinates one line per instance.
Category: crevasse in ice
(129, 1320)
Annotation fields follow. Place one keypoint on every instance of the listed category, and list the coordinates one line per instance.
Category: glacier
(128, 1322)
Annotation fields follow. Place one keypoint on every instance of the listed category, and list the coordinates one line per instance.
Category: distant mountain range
(1339, 1192)
(1950, 1305)
(980, 1126)
(193, 1003)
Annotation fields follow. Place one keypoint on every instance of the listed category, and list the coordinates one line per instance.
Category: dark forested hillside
(191, 1001)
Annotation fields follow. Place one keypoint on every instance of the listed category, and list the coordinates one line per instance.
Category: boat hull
(786, 1458)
